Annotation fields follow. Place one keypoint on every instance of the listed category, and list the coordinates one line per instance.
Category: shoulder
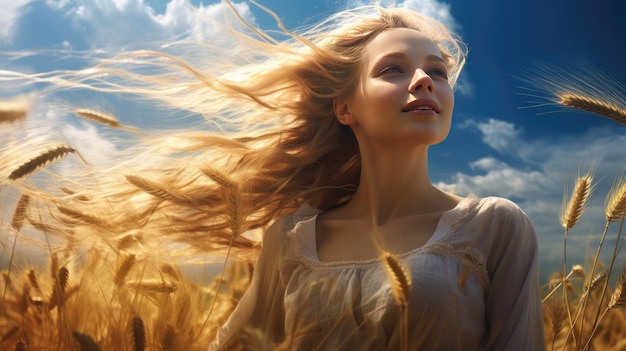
(503, 225)
(496, 222)
(497, 211)
(497, 204)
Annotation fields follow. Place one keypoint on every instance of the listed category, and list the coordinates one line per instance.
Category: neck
(393, 183)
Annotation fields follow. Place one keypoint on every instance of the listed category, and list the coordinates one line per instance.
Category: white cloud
(432, 8)
(464, 86)
(549, 169)
(500, 135)
(10, 14)
(93, 147)
(123, 22)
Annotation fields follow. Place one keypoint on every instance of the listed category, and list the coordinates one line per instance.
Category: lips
(421, 105)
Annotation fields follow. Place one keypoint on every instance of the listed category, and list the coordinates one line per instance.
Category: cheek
(383, 94)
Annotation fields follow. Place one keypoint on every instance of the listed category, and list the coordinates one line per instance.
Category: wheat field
(67, 286)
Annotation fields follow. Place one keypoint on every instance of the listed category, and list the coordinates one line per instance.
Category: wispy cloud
(548, 169)
(501, 136)
(433, 8)
(94, 148)
(107, 23)
(11, 12)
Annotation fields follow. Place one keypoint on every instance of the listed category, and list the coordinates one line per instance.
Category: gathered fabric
(474, 287)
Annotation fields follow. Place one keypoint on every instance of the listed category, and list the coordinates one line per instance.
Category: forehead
(401, 40)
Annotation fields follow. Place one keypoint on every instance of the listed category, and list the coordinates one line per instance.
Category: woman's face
(404, 95)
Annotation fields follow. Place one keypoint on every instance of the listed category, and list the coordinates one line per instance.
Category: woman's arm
(514, 314)
(261, 307)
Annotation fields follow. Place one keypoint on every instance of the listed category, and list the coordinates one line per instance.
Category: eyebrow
(403, 55)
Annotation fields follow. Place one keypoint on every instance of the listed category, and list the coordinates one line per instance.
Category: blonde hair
(279, 143)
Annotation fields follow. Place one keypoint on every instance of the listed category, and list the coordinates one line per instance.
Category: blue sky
(502, 143)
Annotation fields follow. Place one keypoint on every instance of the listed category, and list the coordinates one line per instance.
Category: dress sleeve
(514, 314)
(261, 307)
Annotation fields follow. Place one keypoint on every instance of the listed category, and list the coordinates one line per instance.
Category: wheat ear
(573, 209)
(97, 116)
(618, 298)
(615, 208)
(232, 195)
(20, 212)
(218, 176)
(87, 219)
(594, 283)
(20, 345)
(50, 154)
(123, 269)
(154, 285)
(85, 342)
(593, 105)
(11, 111)
(139, 334)
(32, 278)
(398, 277)
(156, 189)
(58, 292)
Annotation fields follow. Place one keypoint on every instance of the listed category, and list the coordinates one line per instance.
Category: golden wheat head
(97, 116)
(593, 105)
(48, 155)
(594, 282)
(615, 208)
(572, 210)
(139, 334)
(557, 312)
(85, 342)
(398, 277)
(149, 186)
(618, 298)
(20, 212)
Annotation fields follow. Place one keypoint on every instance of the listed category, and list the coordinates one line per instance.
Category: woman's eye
(438, 73)
(391, 69)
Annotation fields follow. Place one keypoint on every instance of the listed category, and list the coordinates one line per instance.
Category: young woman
(324, 148)
(320, 281)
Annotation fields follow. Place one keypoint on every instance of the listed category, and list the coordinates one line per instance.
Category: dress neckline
(304, 234)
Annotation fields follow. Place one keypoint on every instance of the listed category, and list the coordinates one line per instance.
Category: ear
(342, 112)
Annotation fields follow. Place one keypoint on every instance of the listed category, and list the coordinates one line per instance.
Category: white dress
(301, 303)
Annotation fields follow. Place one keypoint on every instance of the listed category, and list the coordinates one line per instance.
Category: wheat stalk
(139, 334)
(398, 277)
(618, 298)
(218, 176)
(32, 278)
(593, 105)
(573, 210)
(154, 285)
(51, 154)
(58, 291)
(20, 212)
(594, 283)
(97, 116)
(156, 189)
(85, 342)
(615, 208)
(170, 271)
(557, 314)
(123, 269)
(87, 219)
(24, 300)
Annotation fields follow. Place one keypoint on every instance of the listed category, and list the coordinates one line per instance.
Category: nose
(421, 81)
